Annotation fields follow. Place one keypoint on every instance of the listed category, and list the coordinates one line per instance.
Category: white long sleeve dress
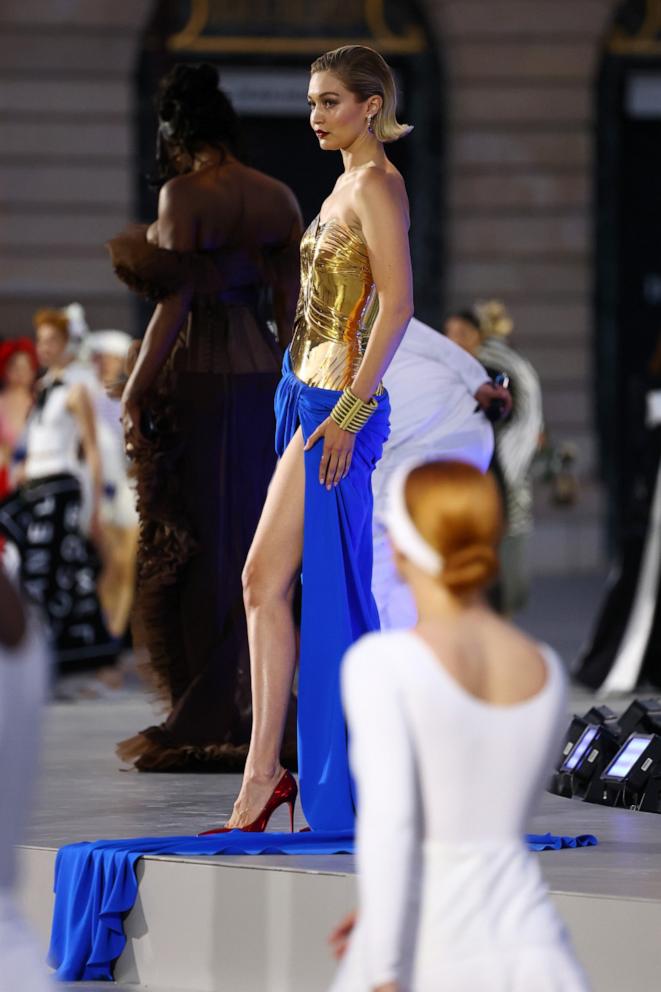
(23, 679)
(450, 899)
(432, 384)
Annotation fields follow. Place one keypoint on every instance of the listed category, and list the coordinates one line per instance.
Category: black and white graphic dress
(59, 567)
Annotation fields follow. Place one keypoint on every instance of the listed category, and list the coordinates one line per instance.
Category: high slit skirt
(337, 602)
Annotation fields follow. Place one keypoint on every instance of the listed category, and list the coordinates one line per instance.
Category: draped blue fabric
(96, 886)
(338, 606)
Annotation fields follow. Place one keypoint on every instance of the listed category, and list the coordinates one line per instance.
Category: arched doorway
(628, 236)
(263, 49)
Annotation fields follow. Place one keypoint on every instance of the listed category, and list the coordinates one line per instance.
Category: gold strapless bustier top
(336, 308)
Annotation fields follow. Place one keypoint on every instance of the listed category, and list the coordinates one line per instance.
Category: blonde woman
(453, 726)
(332, 421)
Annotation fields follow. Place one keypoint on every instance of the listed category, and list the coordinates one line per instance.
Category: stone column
(66, 169)
(521, 103)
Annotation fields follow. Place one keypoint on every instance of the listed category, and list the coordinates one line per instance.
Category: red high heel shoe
(285, 791)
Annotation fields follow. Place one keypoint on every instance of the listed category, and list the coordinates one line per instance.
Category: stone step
(245, 924)
(216, 925)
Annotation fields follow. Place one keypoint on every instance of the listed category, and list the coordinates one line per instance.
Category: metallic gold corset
(336, 308)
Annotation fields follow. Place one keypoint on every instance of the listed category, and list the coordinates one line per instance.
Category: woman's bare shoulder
(178, 186)
(379, 189)
(184, 192)
(517, 663)
(271, 186)
(496, 629)
(385, 181)
(178, 196)
(490, 657)
(224, 183)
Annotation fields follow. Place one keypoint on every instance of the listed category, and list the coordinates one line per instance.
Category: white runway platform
(260, 924)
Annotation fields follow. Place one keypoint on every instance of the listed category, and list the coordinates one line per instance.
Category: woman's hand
(339, 938)
(489, 393)
(336, 456)
(130, 417)
(339, 941)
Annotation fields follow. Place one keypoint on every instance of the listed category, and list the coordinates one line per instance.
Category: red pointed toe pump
(286, 791)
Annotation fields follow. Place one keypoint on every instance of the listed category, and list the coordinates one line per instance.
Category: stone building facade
(519, 92)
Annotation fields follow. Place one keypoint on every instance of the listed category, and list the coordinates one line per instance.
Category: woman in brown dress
(198, 414)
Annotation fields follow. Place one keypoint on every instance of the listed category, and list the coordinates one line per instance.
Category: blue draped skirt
(338, 606)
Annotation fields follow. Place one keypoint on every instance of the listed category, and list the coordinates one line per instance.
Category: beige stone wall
(521, 101)
(65, 153)
(520, 104)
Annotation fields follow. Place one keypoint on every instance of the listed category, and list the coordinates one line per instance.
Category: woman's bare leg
(269, 578)
(117, 583)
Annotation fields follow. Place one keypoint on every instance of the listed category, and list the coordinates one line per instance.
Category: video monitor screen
(580, 748)
(627, 757)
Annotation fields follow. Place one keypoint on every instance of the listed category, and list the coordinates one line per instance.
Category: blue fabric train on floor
(96, 886)
(338, 606)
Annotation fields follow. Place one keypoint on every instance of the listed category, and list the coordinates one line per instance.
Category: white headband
(115, 343)
(404, 535)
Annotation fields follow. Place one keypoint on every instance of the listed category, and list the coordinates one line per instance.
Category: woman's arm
(285, 266)
(176, 231)
(380, 204)
(285, 294)
(157, 344)
(388, 827)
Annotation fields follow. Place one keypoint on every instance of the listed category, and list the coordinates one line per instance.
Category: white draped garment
(432, 384)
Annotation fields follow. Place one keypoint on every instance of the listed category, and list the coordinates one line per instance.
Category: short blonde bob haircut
(365, 73)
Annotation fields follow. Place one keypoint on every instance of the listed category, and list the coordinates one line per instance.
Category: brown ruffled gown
(202, 471)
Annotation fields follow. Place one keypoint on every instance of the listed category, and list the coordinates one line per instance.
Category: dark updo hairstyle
(193, 112)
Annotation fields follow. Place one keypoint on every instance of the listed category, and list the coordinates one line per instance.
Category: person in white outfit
(42, 517)
(483, 331)
(77, 370)
(453, 727)
(23, 680)
(119, 516)
(438, 394)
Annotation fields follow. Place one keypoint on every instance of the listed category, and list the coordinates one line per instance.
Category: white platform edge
(212, 927)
